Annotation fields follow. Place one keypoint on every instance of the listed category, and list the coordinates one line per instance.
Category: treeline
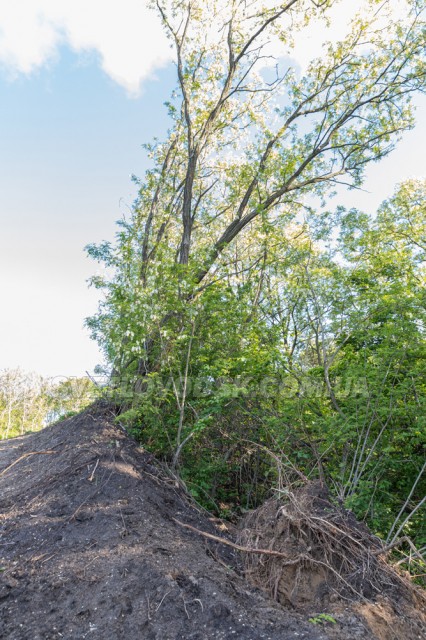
(29, 402)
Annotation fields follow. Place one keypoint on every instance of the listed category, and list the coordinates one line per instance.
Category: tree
(353, 321)
(218, 283)
(245, 149)
(29, 402)
(23, 402)
(70, 396)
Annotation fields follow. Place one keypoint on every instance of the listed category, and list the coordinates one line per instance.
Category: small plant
(66, 415)
(322, 618)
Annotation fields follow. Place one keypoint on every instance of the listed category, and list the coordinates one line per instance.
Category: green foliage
(322, 618)
(29, 402)
(69, 397)
(323, 371)
(247, 332)
(23, 402)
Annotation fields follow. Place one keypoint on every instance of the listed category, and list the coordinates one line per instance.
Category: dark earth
(90, 548)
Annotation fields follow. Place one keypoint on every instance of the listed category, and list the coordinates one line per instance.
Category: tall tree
(233, 335)
(248, 142)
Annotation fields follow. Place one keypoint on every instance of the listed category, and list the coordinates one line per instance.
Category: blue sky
(74, 113)
(70, 138)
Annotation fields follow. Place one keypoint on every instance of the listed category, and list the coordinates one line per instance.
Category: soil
(329, 562)
(90, 548)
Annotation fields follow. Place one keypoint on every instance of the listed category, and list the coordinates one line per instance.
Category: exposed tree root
(337, 555)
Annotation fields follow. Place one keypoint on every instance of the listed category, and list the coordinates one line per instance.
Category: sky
(82, 86)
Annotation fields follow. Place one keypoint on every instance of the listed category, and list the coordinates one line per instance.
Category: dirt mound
(89, 548)
(321, 558)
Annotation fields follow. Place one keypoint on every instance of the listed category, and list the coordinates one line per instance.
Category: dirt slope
(89, 548)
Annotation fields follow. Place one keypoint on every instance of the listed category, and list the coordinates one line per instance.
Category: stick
(90, 479)
(270, 552)
(267, 552)
(26, 455)
(396, 544)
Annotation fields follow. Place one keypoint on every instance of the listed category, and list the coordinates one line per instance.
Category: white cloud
(127, 36)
